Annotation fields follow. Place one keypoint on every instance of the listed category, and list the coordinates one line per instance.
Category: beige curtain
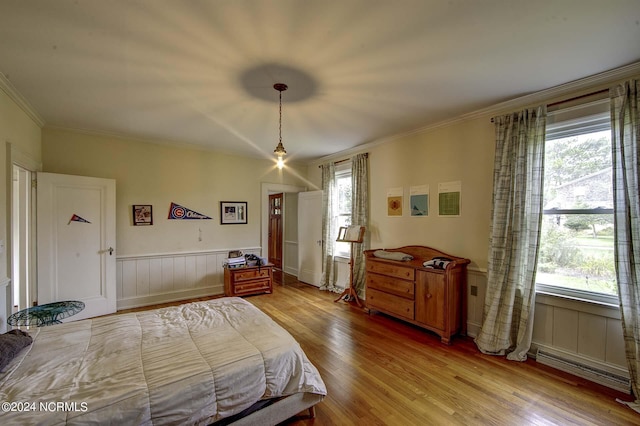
(360, 216)
(329, 200)
(625, 133)
(507, 325)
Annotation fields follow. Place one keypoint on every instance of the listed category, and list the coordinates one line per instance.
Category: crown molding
(20, 100)
(571, 88)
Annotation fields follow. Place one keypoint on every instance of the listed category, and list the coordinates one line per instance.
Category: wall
(20, 136)
(158, 174)
(460, 152)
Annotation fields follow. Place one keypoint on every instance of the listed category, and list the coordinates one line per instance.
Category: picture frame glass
(142, 214)
(233, 212)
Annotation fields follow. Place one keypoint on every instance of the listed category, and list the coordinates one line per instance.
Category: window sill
(577, 303)
(341, 258)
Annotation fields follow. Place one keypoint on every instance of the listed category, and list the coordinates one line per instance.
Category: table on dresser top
(247, 280)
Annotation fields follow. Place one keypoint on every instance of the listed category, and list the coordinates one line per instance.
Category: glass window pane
(577, 252)
(578, 172)
(344, 194)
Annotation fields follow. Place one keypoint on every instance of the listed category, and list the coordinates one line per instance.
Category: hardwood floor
(380, 371)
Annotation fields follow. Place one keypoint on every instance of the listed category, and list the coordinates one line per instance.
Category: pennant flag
(76, 218)
(176, 211)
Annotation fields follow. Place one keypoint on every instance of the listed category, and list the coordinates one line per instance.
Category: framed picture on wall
(142, 214)
(233, 212)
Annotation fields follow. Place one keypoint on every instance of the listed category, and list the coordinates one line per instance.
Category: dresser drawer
(390, 285)
(390, 303)
(251, 274)
(397, 271)
(252, 287)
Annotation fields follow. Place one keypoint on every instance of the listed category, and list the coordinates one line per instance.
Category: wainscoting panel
(476, 290)
(582, 338)
(6, 304)
(290, 261)
(150, 279)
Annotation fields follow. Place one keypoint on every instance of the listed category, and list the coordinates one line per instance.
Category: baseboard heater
(594, 374)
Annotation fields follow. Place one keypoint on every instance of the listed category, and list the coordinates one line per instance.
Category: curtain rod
(366, 155)
(575, 98)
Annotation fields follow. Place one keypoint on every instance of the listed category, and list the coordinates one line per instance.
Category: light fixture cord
(280, 129)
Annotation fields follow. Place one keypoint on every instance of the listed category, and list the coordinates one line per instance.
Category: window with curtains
(576, 257)
(343, 206)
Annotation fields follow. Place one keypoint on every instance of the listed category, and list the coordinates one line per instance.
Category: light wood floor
(380, 371)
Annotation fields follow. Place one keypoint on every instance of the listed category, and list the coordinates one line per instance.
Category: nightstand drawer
(252, 287)
(252, 274)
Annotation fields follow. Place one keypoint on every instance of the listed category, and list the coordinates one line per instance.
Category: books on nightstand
(235, 262)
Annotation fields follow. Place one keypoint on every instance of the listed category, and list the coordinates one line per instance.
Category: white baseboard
(473, 329)
(291, 271)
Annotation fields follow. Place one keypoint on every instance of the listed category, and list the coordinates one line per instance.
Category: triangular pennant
(176, 211)
(76, 218)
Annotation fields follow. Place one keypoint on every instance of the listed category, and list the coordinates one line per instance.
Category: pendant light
(280, 151)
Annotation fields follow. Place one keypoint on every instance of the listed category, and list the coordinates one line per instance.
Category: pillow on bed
(11, 343)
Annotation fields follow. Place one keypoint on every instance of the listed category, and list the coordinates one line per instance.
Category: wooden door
(275, 230)
(430, 299)
(310, 237)
(76, 241)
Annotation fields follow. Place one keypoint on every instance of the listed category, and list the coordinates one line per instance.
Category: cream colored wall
(157, 174)
(19, 135)
(462, 151)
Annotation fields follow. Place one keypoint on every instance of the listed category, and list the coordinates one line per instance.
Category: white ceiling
(202, 72)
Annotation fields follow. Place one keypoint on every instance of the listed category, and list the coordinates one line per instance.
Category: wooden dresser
(434, 299)
(247, 280)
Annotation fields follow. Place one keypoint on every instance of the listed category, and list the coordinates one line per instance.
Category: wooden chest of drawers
(247, 280)
(434, 299)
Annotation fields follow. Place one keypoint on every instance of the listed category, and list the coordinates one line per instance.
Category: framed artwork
(142, 214)
(233, 212)
(394, 201)
(449, 199)
(419, 200)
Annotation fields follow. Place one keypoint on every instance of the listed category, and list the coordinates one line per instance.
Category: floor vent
(597, 375)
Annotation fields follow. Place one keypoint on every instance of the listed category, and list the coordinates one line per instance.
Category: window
(343, 207)
(576, 257)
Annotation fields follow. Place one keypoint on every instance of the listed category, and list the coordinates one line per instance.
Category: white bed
(191, 364)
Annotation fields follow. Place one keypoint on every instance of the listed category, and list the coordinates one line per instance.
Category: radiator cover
(585, 369)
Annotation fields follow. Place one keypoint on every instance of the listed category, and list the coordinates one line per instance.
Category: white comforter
(189, 364)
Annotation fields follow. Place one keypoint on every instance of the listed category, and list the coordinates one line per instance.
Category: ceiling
(202, 72)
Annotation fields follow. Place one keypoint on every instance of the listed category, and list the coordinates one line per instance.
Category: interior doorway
(22, 238)
(289, 224)
(276, 202)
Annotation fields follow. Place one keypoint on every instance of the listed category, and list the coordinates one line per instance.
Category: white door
(310, 237)
(76, 242)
